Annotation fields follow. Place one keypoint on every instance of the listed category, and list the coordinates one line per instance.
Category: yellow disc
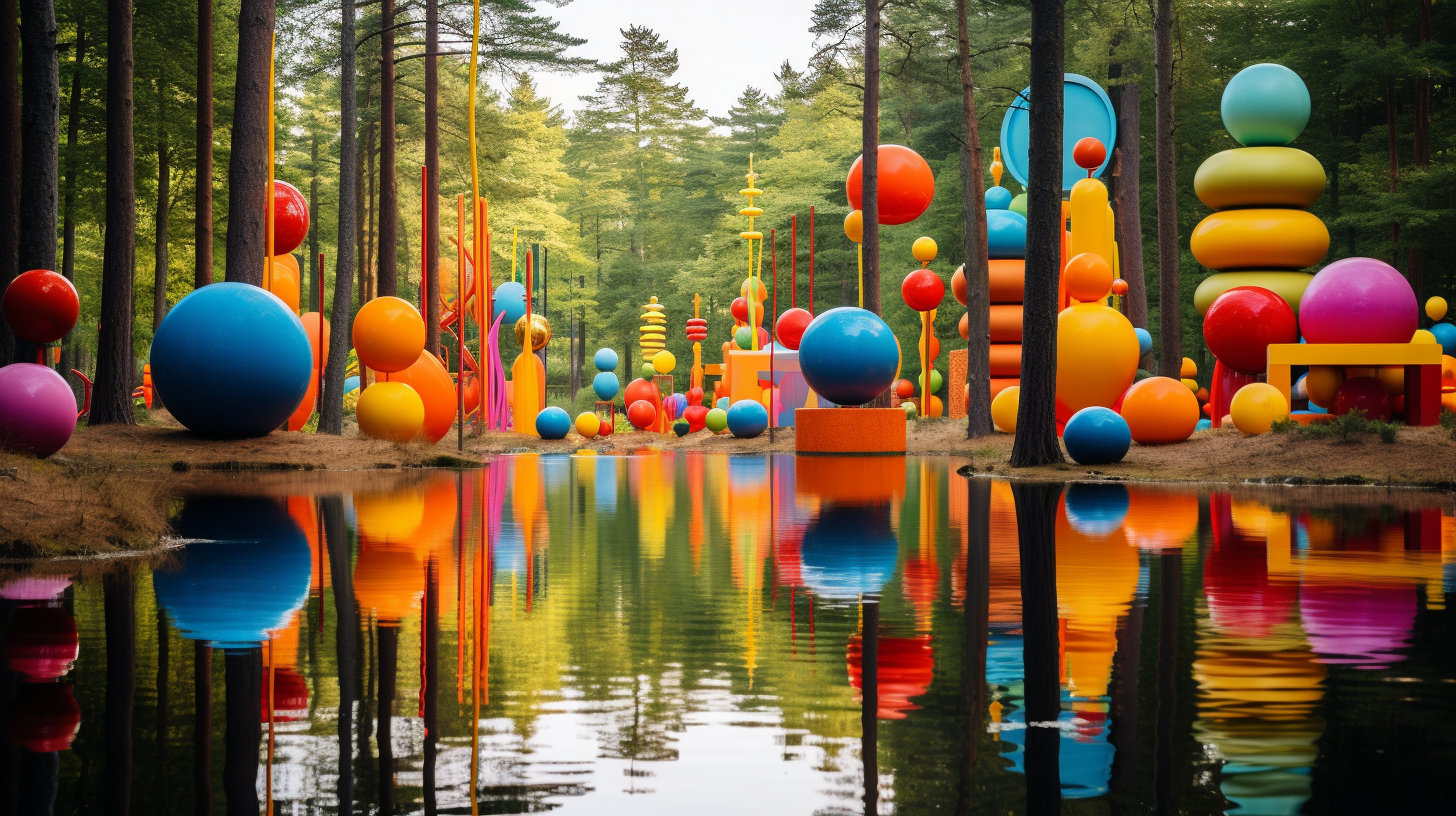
(751, 212)
(1259, 177)
(923, 249)
(1260, 239)
(1285, 284)
(854, 226)
(1190, 384)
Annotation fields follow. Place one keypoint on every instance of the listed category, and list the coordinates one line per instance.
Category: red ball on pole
(290, 218)
(923, 290)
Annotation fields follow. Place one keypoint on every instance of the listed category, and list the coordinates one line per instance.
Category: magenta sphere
(37, 410)
(1358, 300)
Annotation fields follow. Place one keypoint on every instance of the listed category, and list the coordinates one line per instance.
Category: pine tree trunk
(40, 140)
(1036, 513)
(388, 206)
(202, 229)
(977, 266)
(870, 148)
(243, 678)
(118, 599)
(431, 248)
(1170, 296)
(248, 193)
(1127, 164)
(1415, 262)
(1036, 428)
(68, 201)
(9, 160)
(372, 245)
(331, 411)
(164, 186)
(313, 232)
(115, 361)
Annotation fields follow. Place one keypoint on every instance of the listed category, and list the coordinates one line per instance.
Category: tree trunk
(1170, 311)
(870, 147)
(1036, 428)
(372, 245)
(331, 411)
(313, 232)
(1036, 513)
(164, 186)
(68, 202)
(40, 140)
(9, 160)
(115, 362)
(388, 653)
(977, 266)
(118, 591)
(243, 678)
(201, 729)
(431, 248)
(248, 193)
(1415, 262)
(388, 206)
(202, 229)
(1127, 164)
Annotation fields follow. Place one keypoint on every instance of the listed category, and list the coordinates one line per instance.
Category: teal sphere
(552, 423)
(605, 359)
(998, 198)
(605, 384)
(1265, 105)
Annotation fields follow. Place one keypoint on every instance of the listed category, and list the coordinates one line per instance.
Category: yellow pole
(859, 253)
(268, 196)
(514, 238)
(925, 365)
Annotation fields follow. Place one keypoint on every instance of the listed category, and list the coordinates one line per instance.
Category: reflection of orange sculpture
(1242, 600)
(921, 583)
(290, 693)
(1096, 580)
(905, 668)
(1160, 517)
(850, 479)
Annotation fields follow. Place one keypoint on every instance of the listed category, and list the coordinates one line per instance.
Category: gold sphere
(540, 332)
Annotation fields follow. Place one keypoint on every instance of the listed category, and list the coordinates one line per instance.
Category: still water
(704, 634)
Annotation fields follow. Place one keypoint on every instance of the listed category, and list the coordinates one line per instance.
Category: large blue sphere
(510, 300)
(1445, 335)
(552, 423)
(849, 356)
(605, 360)
(1005, 234)
(244, 574)
(849, 551)
(1095, 509)
(606, 385)
(230, 360)
(747, 418)
(1265, 105)
(1097, 436)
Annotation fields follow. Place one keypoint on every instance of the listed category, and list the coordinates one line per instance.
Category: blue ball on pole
(849, 356)
(747, 418)
(510, 300)
(605, 385)
(605, 360)
(1097, 436)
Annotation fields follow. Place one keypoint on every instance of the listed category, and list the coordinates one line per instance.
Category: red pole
(794, 261)
(811, 260)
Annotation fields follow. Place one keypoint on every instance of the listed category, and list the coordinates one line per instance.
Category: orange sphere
(1119, 287)
(965, 326)
(1160, 410)
(1089, 153)
(437, 391)
(958, 284)
(1088, 277)
(283, 282)
(389, 334)
(906, 184)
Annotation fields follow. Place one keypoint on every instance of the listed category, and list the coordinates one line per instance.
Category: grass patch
(1448, 422)
(1351, 427)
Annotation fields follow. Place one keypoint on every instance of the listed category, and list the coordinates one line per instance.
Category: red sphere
(44, 717)
(1242, 322)
(740, 309)
(790, 327)
(606, 429)
(41, 642)
(1089, 153)
(641, 414)
(1365, 393)
(906, 184)
(41, 306)
(1119, 287)
(923, 290)
(904, 389)
(290, 218)
(958, 285)
(695, 396)
(640, 389)
(697, 417)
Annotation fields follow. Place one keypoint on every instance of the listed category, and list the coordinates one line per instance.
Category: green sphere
(909, 409)
(936, 381)
(1265, 105)
(1018, 204)
(648, 372)
(717, 420)
(743, 338)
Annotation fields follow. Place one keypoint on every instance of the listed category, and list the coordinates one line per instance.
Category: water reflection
(674, 631)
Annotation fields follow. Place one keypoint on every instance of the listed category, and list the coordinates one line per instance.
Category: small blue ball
(230, 360)
(552, 423)
(747, 418)
(1005, 234)
(1145, 341)
(351, 384)
(605, 359)
(849, 356)
(1097, 436)
(1096, 509)
(1445, 335)
(510, 300)
(722, 403)
(606, 385)
(998, 198)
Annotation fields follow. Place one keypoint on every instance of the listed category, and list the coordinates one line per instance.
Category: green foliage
(1351, 427)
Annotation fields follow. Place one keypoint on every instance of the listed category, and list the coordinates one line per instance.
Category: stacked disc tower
(1006, 248)
(1262, 233)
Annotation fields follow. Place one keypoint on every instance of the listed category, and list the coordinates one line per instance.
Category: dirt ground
(105, 491)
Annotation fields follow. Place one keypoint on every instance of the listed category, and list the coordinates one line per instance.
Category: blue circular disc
(1086, 111)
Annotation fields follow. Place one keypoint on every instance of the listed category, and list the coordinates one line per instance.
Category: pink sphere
(1358, 300)
(1365, 626)
(37, 410)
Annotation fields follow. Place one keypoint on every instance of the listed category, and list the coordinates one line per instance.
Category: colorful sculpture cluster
(923, 290)
(37, 409)
(1006, 249)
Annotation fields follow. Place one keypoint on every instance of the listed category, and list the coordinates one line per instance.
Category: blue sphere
(605, 360)
(722, 403)
(849, 356)
(849, 551)
(1005, 234)
(747, 418)
(1203, 425)
(510, 300)
(606, 385)
(552, 423)
(1265, 105)
(998, 198)
(230, 360)
(351, 384)
(1097, 436)
(1145, 341)
(1096, 509)
(1445, 335)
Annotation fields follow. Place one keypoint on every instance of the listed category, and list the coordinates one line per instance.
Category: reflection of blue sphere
(606, 385)
(747, 473)
(1145, 341)
(849, 551)
(605, 359)
(605, 483)
(998, 198)
(231, 360)
(1084, 761)
(1005, 234)
(848, 355)
(747, 418)
(552, 423)
(508, 551)
(1445, 335)
(245, 572)
(1096, 509)
(1097, 436)
(510, 300)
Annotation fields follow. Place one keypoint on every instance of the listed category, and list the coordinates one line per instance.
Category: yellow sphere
(1097, 355)
(1424, 336)
(588, 424)
(1256, 407)
(391, 411)
(540, 332)
(663, 362)
(1321, 384)
(1189, 369)
(1004, 408)
(854, 226)
(1191, 385)
(389, 334)
(1436, 308)
(924, 249)
(1393, 378)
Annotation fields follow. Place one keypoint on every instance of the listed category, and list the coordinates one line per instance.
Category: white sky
(723, 47)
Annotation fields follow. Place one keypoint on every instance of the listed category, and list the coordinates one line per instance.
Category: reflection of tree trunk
(9, 751)
(119, 602)
(974, 632)
(346, 630)
(384, 726)
(202, 729)
(1126, 664)
(1170, 595)
(40, 775)
(164, 665)
(243, 674)
(1036, 513)
(869, 744)
(1170, 315)
(432, 679)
